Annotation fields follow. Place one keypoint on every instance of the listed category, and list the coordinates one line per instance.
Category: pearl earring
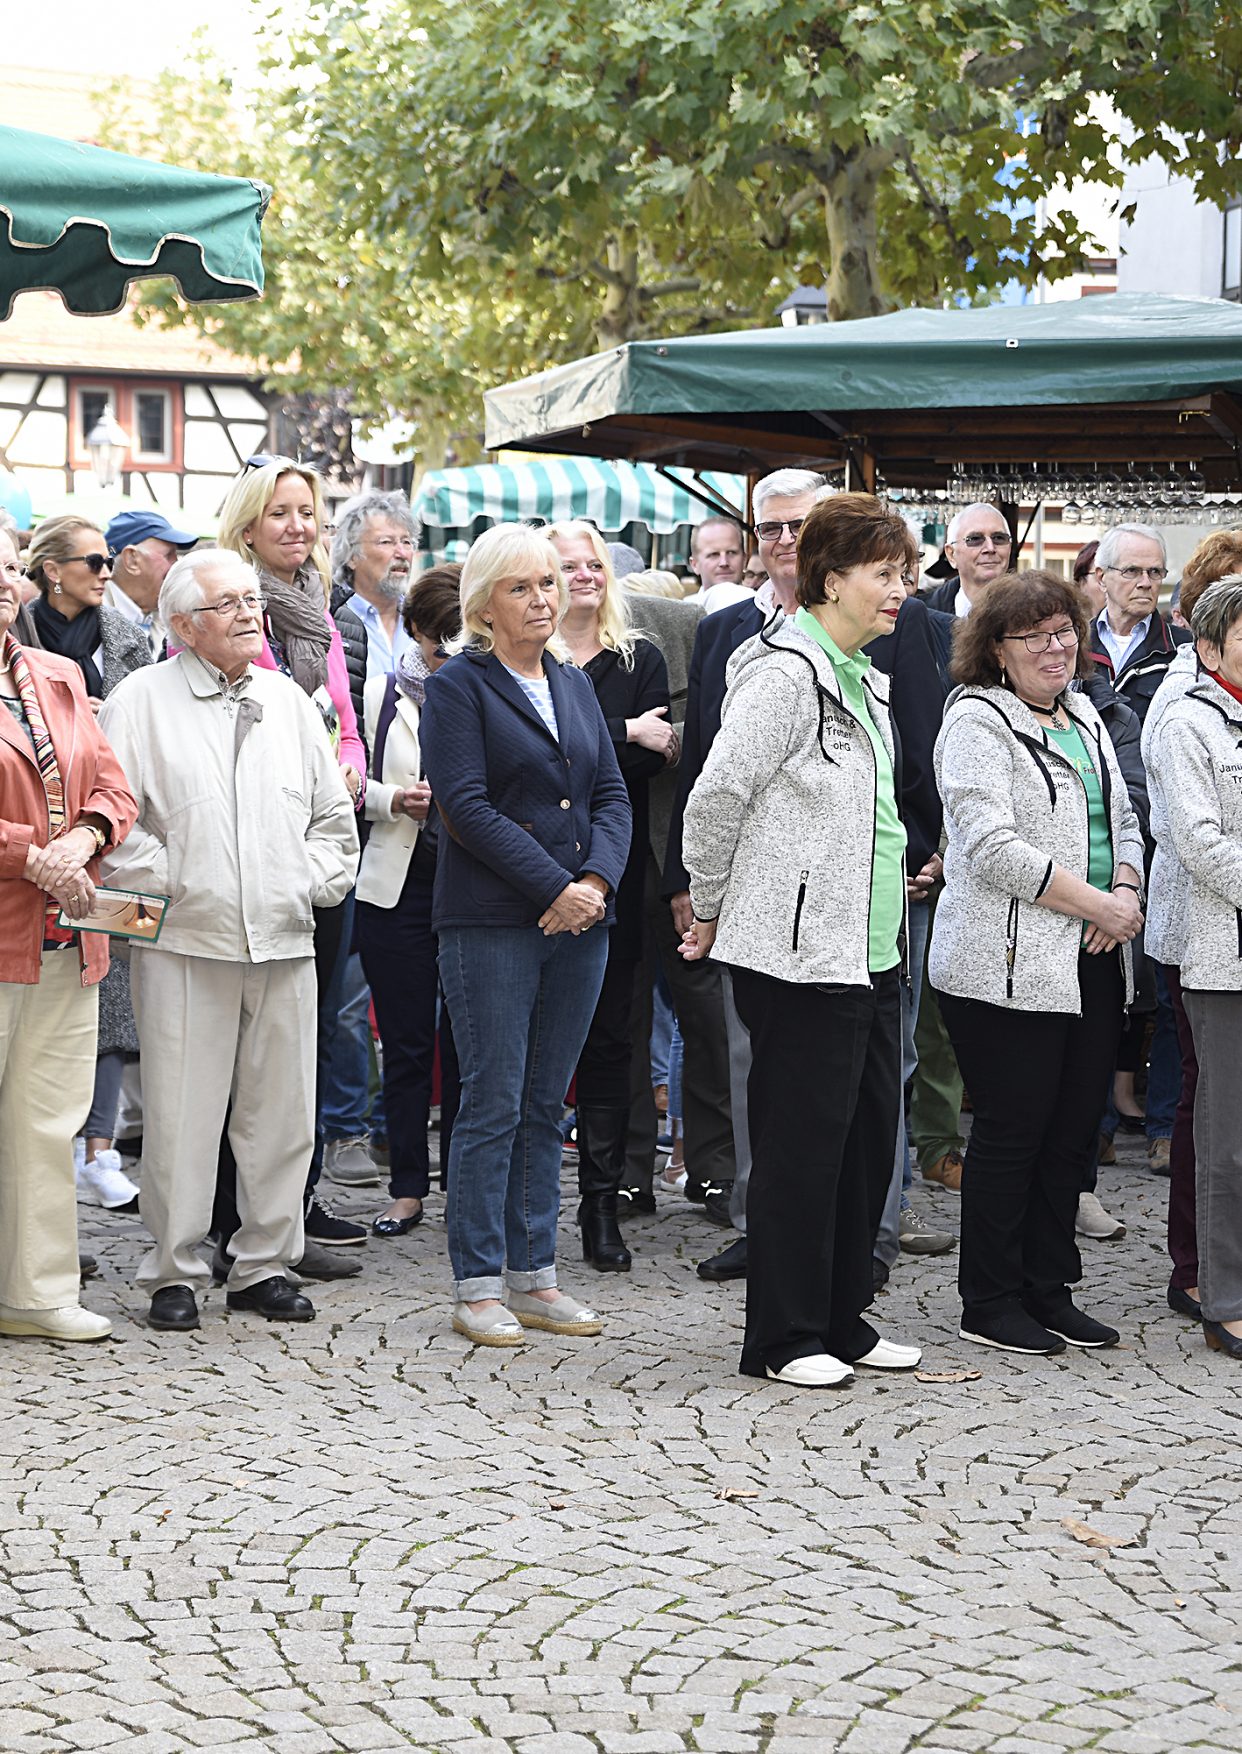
(833, 597)
(56, 590)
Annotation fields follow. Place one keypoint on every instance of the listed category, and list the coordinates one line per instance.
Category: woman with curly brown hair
(1042, 887)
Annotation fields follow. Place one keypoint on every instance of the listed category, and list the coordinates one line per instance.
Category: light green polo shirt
(888, 891)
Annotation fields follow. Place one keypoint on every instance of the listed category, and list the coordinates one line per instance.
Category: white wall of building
(1173, 243)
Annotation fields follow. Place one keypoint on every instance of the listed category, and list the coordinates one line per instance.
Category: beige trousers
(214, 1033)
(48, 1034)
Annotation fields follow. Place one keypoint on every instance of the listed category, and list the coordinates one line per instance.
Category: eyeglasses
(96, 562)
(264, 459)
(229, 608)
(992, 538)
(13, 572)
(771, 528)
(1066, 638)
(1132, 574)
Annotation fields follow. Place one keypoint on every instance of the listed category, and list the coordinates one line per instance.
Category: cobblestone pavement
(364, 1534)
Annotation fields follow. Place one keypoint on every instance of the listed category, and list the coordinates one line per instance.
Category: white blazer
(386, 856)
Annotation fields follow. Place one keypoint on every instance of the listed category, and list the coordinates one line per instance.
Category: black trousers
(698, 1000)
(824, 1093)
(398, 950)
(603, 1076)
(1035, 1079)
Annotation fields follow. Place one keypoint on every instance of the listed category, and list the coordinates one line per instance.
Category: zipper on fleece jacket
(1238, 912)
(1011, 946)
(802, 883)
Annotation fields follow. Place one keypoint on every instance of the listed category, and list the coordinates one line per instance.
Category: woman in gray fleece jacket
(797, 879)
(1042, 886)
(1196, 762)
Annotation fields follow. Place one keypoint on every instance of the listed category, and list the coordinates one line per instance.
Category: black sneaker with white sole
(322, 1225)
(1069, 1322)
(1009, 1330)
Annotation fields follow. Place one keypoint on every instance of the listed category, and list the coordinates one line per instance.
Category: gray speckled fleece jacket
(1013, 808)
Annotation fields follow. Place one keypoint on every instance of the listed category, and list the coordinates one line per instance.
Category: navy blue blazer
(523, 812)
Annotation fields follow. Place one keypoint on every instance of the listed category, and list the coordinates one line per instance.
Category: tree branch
(663, 288)
(935, 206)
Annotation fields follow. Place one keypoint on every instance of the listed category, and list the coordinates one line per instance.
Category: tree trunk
(621, 318)
(850, 220)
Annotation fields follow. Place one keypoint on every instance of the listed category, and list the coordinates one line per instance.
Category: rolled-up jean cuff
(479, 1290)
(542, 1279)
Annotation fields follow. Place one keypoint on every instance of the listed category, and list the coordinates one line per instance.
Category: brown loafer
(946, 1170)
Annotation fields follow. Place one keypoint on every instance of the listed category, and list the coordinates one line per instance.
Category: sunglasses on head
(263, 460)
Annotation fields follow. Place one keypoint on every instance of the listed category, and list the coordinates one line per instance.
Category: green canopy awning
(1138, 377)
(85, 222)
(610, 494)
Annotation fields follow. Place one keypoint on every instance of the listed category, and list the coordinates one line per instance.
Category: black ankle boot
(602, 1242)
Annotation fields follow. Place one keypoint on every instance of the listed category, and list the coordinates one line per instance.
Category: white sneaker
(102, 1182)
(350, 1163)
(79, 1152)
(888, 1355)
(70, 1323)
(818, 1371)
(1095, 1222)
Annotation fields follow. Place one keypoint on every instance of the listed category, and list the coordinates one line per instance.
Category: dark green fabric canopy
(898, 386)
(85, 222)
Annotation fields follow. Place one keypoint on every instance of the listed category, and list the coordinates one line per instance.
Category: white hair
(502, 553)
(955, 522)
(182, 591)
(1109, 551)
(783, 484)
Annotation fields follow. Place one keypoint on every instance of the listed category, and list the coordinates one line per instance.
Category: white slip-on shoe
(565, 1316)
(102, 1182)
(69, 1323)
(888, 1355)
(1093, 1221)
(493, 1326)
(818, 1370)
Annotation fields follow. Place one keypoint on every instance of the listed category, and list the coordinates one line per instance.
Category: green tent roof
(891, 385)
(612, 495)
(85, 222)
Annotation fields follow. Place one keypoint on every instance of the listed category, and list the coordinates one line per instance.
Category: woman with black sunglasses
(68, 562)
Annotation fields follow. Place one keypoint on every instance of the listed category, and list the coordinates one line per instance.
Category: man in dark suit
(781, 501)
(978, 548)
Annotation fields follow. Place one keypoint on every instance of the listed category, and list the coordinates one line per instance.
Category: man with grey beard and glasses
(372, 554)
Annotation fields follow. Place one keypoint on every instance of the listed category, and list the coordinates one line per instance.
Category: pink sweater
(351, 753)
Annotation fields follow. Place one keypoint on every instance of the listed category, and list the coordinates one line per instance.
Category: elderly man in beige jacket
(245, 824)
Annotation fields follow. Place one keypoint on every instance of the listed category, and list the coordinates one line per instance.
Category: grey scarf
(412, 674)
(298, 617)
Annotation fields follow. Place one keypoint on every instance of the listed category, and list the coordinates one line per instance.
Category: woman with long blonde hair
(631, 684)
(273, 517)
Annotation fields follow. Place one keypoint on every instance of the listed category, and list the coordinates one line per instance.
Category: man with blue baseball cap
(142, 546)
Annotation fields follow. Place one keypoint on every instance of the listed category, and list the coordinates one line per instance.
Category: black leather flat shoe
(730, 1263)
(1182, 1303)
(1219, 1339)
(88, 1266)
(396, 1226)
(274, 1298)
(173, 1308)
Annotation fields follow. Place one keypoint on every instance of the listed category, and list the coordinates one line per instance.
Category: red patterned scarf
(49, 767)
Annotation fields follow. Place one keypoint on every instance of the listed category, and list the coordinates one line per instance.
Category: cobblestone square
(365, 1534)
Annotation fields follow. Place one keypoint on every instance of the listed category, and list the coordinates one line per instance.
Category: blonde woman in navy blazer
(535, 835)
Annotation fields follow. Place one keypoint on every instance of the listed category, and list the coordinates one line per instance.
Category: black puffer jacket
(354, 640)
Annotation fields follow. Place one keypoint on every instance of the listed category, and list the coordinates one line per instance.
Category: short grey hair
(1217, 610)
(783, 484)
(351, 526)
(182, 591)
(955, 522)
(1109, 551)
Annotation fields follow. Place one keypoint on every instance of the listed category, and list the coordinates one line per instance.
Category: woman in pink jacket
(272, 516)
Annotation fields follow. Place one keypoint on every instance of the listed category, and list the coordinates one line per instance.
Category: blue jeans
(663, 1024)
(888, 1236)
(347, 1065)
(521, 1006)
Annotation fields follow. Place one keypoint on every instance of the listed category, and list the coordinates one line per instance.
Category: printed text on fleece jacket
(1013, 808)
(1168, 885)
(779, 827)
(1196, 756)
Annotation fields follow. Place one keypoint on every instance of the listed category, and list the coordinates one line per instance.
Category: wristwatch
(101, 839)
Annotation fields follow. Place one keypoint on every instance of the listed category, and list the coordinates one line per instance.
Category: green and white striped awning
(611, 494)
